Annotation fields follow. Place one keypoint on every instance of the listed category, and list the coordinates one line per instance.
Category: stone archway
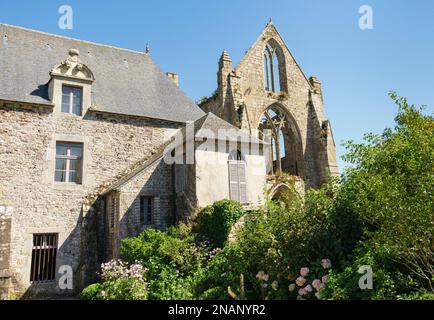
(278, 127)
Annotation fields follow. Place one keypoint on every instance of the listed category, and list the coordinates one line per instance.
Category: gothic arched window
(237, 177)
(271, 69)
(285, 152)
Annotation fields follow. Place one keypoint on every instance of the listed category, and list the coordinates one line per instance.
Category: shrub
(91, 292)
(119, 282)
(158, 250)
(223, 270)
(215, 222)
(173, 259)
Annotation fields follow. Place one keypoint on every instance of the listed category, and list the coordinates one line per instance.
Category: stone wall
(154, 181)
(242, 99)
(5, 247)
(28, 137)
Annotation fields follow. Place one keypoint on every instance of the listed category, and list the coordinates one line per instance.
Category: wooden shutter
(233, 180)
(242, 183)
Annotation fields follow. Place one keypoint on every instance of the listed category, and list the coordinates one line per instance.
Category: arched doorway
(286, 153)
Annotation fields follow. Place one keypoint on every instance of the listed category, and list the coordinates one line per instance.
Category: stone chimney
(174, 77)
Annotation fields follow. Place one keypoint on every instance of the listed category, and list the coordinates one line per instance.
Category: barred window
(146, 210)
(44, 253)
(72, 100)
(69, 158)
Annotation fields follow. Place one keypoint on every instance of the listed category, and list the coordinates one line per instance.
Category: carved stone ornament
(73, 67)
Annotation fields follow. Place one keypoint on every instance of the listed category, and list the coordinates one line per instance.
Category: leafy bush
(223, 270)
(172, 258)
(215, 222)
(119, 282)
(91, 292)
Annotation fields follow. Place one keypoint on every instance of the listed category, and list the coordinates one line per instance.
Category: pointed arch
(277, 126)
(274, 67)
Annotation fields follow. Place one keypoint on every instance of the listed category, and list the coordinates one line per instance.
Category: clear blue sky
(357, 68)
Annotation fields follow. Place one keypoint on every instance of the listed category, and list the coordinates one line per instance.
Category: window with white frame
(72, 100)
(69, 162)
(237, 177)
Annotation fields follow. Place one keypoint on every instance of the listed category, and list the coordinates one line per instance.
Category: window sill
(70, 116)
(67, 186)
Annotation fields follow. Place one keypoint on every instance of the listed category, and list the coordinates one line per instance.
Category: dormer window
(72, 99)
(70, 87)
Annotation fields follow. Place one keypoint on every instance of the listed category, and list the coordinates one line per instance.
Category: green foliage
(123, 289)
(418, 295)
(391, 187)
(223, 270)
(172, 260)
(157, 250)
(380, 213)
(119, 282)
(215, 222)
(91, 292)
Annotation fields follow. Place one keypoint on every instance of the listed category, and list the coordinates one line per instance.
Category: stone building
(97, 143)
(268, 92)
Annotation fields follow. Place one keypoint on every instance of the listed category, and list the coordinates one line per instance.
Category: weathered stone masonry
(130, 111)
(241, 99)
(112, 144)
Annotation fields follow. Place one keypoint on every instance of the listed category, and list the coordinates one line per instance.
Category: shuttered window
(44, 253)
(237, 177)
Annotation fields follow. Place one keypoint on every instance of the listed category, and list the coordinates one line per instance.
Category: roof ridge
(74, 39)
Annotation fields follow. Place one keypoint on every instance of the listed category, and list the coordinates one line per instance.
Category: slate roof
(126, 82)
(210, 126)
(202, 128)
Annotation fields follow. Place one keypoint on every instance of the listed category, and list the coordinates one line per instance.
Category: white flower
(318, 296)
(325, 278)
(308, 288)
(304, 272)
(302, 292)
(275, 285)
(291, 287)
(316, 284)
(260, 275)
(300, 281)
(326, 263)
(265, 277)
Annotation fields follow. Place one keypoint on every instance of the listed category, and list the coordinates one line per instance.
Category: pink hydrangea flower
(308, 288)
(326, 263)
(304, 272)
(316, 284)
(301, 292)
(260, 275)
(325, 278)
(300, 281)
(265, 277)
